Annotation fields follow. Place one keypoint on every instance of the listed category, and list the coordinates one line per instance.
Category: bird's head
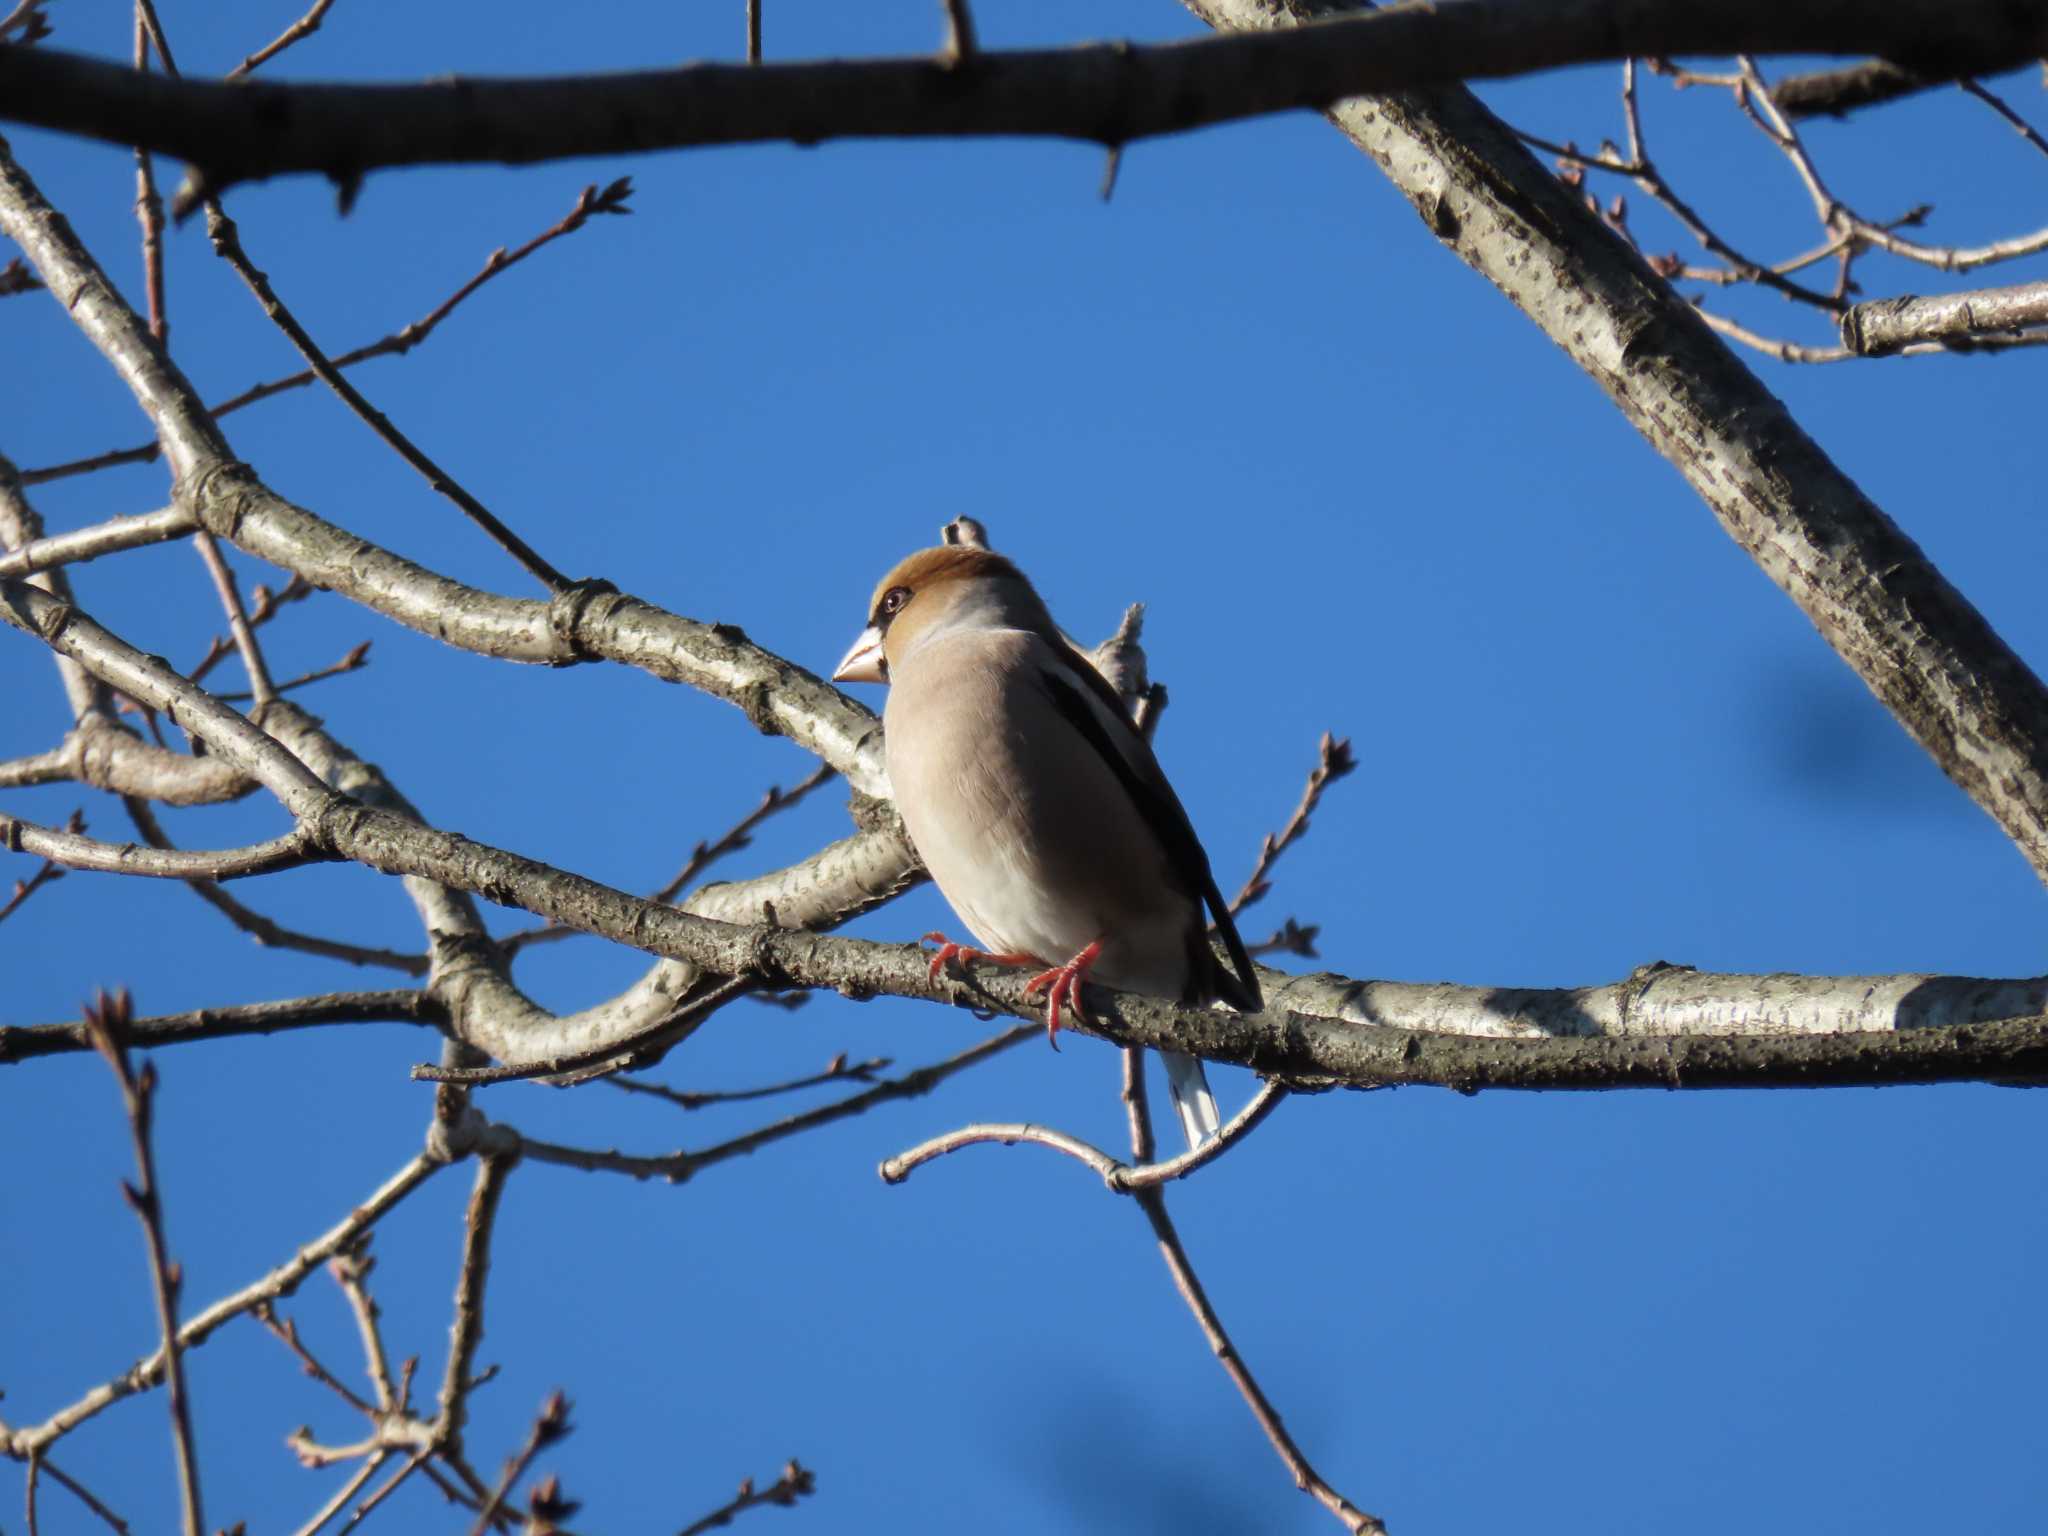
(933, 592)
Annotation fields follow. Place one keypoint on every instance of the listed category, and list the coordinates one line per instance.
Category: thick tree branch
(1315, 1031)
(1915, 641)
(1104, 93)
(1957, 319)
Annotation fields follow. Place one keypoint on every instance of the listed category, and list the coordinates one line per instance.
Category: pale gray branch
(1314, 1030)
(588, 621)
(1886, 325)
(107, 538)
(1914, 640)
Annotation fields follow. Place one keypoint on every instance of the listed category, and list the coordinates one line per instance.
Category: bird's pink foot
(963, 953)
(1062, 985)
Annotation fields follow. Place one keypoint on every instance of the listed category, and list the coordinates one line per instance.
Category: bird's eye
(892, 600)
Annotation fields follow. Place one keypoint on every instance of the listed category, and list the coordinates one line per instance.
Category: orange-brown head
(953, 586)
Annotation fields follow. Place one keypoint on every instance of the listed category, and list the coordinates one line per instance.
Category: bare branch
(2018, 124)
(1105, 94)
(79, 1491)
(550, 1425)
(1888, 325)
(20, 1042)
(227, 243)
(837, 1072)
(679, 1166)
(1333, 761)
(492, 1170)
(1915, 641)
(26, 18)
(1306, 1478)
(286, 1332)
(611, 199)
(1124, 1178)
(796, 1482)
(348, 1490)
(1839, 91)
(253, 664)
(49, 874)
(110, 537)
(298, 31)
(106, 1020)
(701, 858)
(281, 1281)
(76, 851)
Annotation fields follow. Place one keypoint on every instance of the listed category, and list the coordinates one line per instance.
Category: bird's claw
(948, 950)
(1062, 986)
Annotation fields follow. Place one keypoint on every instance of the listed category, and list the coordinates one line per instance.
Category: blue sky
(1358, 492)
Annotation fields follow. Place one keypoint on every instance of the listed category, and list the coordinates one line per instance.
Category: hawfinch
(1035, 804)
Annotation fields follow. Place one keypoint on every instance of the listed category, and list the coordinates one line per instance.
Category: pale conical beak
(865, 663)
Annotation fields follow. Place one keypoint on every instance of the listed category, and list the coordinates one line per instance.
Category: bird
(1036, 804)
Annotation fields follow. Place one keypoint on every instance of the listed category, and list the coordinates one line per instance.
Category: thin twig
(344, 1493)
(149, 208)
(836, 1072)
(549, 1426)
(49, 874)
(679, 1166)
(299, 30)
(2019, 125)
(1124, 1178)
(287, 1332)
(1333, 761)
(960, 42)
(147, 1372)
(107, 1018)
(28, 19)
(356, 659)
(16, 277)
(263, 930)
(350, 1270)
(795, 1483)
(753, 31)
(267, 605)
(83, 1494)
(397, 1479)
(468, 1331)
(1153, 1202)
(610, 199)
(671, 1028)
(227, 243)
(1773, 346)
(1290, 938)
(701, 858)
(260, 688)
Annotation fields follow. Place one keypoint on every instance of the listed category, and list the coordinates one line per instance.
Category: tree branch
(1916, 642)
(1105, 93)
(106, 1021)
(281, 1281)
(21, 1042)
(1956, 319)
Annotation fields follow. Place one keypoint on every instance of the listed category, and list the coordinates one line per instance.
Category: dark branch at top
(1108, 93)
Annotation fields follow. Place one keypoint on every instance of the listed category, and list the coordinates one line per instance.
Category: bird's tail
(1192, 1100)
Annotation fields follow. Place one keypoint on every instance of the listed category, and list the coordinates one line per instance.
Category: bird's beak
(865, 663)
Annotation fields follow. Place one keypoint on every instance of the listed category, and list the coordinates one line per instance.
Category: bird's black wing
(1083, 696)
